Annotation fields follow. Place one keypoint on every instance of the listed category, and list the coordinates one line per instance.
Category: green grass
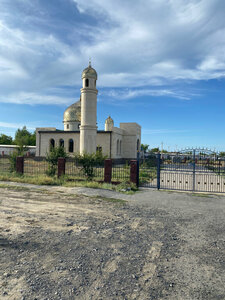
(125, 187)
(113, 200)
(13, 187)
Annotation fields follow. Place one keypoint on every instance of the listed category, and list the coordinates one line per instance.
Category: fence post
(158, 170)
(194, 162)
(108, 170)
(61, 166)
(20, 164)
(133, 172)
(138, 166)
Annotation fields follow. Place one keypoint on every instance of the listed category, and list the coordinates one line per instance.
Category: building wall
(123, 140)
(117, 143)
(9, 149)
(132, 137)
(103, 140)
(45, 137)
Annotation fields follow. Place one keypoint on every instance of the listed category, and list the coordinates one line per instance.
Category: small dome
(89, 72)
(109, 120)
(73, 113)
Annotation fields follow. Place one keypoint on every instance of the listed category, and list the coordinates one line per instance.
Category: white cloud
(133, 45)
(125, 94)
(34, 98)
(14, 125)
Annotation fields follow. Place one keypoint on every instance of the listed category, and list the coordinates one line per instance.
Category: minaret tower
(88, 128)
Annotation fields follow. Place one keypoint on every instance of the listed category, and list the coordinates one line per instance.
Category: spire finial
(89, 62)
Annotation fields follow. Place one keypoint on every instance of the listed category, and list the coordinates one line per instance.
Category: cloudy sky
(160, 63)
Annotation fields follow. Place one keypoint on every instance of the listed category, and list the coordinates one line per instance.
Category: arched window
(120, 147)
(117, 147)
(138, 144)
(67, 126)
(51, 144)
(86, 82)
(61, 143)
(71, 145)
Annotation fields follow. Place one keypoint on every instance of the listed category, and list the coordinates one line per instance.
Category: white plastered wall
(45, 137)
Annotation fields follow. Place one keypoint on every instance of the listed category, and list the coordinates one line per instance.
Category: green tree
(24, 138)
(222, 154)
(144, 147)
(5, 139)
(153, 150)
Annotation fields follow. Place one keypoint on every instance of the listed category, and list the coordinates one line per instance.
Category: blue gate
(200, 170)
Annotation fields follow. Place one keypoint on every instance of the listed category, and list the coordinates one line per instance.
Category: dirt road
(156, 245)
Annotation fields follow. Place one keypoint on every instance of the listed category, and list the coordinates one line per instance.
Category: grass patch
(124, 187)
(14, 187)
(202, 195)
(113, 200)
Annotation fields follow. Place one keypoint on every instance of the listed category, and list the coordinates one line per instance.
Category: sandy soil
(57, 245)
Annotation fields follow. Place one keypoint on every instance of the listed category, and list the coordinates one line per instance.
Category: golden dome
(89, 72)
(109, 120)
(73, 113)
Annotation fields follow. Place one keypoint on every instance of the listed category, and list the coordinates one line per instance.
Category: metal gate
(200, 170)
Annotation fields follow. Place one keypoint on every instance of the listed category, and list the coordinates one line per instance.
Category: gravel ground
(77, 243)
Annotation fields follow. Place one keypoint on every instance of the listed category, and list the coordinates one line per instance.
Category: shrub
(52, 159)
(12, 158)
(89, 161)
(151, 161)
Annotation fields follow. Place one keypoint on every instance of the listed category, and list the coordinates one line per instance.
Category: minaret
(88, 128)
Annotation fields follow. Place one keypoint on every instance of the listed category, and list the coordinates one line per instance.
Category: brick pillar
(61, 166)
(108, 171)
(133, 172)
(20, 164)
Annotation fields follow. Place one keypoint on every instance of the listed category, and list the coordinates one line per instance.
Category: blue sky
(160, 63)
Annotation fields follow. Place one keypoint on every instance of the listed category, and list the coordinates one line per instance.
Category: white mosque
(81, 135)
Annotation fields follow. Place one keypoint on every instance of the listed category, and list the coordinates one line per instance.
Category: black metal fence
(34, 166)
(198, 170)
(5, 166)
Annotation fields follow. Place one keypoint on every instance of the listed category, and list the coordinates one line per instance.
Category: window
(86, 82)
(71, 145)
(61, 143)
(52, 144)
(67, 126)
(120, 147)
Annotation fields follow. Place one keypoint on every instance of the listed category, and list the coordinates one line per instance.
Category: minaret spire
(89, 62)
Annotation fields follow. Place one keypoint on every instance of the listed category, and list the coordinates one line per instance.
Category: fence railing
(109, 172)
(5, 166)
(35, 166)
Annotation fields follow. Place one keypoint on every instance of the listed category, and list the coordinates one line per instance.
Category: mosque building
(81, 135)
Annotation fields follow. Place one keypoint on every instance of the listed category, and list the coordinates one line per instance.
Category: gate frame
(194, 153)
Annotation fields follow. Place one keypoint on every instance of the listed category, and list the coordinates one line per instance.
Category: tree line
(23, 137)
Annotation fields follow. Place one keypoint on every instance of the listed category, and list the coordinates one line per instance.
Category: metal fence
(4, 165)
(198, 170)
(75, 171)
(35, 166)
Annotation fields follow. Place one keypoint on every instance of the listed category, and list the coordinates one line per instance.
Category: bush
(12, 158)
(89, 161)
(151, 161)
(52, 159)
